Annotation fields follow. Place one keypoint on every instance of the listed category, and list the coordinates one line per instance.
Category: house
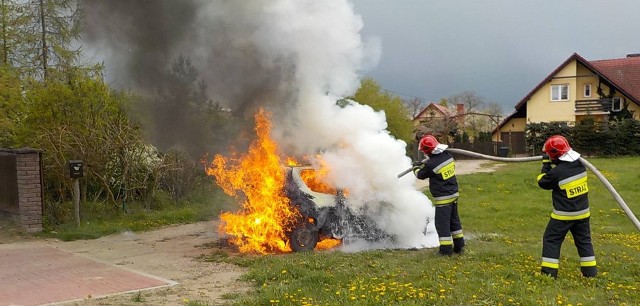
(576, 90)
(438, 120)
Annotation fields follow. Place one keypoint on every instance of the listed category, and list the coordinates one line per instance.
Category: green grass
(100, 219)
(504, 215)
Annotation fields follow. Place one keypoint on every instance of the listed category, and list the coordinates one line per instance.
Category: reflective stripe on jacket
(568, 182)
(440, 169)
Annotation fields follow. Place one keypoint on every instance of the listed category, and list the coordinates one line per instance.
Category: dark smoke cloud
(144, 34)
(140, 39)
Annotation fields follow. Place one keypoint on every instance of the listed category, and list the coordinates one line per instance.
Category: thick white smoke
(322, 39)
(293, 57)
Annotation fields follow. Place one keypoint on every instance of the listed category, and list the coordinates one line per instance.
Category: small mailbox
(76, 169)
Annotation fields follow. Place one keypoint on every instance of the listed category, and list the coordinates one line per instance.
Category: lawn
(504, 215)
(99, 218)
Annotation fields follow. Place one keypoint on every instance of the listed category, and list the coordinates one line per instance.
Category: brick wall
(29, 189)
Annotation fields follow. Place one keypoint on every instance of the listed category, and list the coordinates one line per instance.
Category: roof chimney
(460, 113)
(630, 55)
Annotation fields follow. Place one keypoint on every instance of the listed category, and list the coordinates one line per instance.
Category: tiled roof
(442, 109)
(624, 72)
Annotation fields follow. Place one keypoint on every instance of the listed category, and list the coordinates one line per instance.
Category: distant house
(438, 120)
(578, 89)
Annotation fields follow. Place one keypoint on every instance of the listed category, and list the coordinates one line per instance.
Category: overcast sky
(500, 49)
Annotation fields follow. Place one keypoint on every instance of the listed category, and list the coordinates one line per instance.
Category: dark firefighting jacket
(440, 169)
(568, 182)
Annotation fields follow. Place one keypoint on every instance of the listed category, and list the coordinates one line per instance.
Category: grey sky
(500, 49)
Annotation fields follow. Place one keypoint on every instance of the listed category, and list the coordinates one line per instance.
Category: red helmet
(556, 146)
(427, 144)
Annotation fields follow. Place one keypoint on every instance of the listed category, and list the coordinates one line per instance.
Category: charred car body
(325, 215)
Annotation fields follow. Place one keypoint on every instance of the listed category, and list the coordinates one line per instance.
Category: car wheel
(303, 238)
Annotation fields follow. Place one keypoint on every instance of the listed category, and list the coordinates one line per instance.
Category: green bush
(589, 137)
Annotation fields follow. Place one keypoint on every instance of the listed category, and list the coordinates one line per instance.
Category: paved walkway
(38, 274)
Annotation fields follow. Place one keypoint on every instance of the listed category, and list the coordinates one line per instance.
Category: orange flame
(329, 243)
(313, 179)
(260, 226)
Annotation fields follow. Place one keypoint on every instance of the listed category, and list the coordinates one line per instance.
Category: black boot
(589, 271)
(445, 250)
(549, 271)
(458, 245)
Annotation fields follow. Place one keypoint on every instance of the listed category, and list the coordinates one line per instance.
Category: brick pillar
(29, 189)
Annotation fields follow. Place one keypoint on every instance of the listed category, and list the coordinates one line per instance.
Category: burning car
(324, 213)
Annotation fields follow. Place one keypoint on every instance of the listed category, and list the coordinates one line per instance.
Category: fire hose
(587, 164)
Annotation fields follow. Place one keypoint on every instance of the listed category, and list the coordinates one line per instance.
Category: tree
(441, 127)
(184, 117)
(397, 114)
(415, 106)
(11, 103)
(52, 28)
(493, 109)
(10, 35)
(81, 118)
(479, 117)
(469, 99)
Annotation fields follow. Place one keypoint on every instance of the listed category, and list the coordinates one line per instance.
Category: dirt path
(172, 253)
(465, 166)
(169, 253)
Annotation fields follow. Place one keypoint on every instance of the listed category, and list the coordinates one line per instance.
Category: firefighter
(443, 185)
(568, 181)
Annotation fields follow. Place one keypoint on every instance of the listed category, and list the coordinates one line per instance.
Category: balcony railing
(593, 106)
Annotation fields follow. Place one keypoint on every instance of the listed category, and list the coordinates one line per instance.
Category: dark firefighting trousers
(449, 228)
(552, 241)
